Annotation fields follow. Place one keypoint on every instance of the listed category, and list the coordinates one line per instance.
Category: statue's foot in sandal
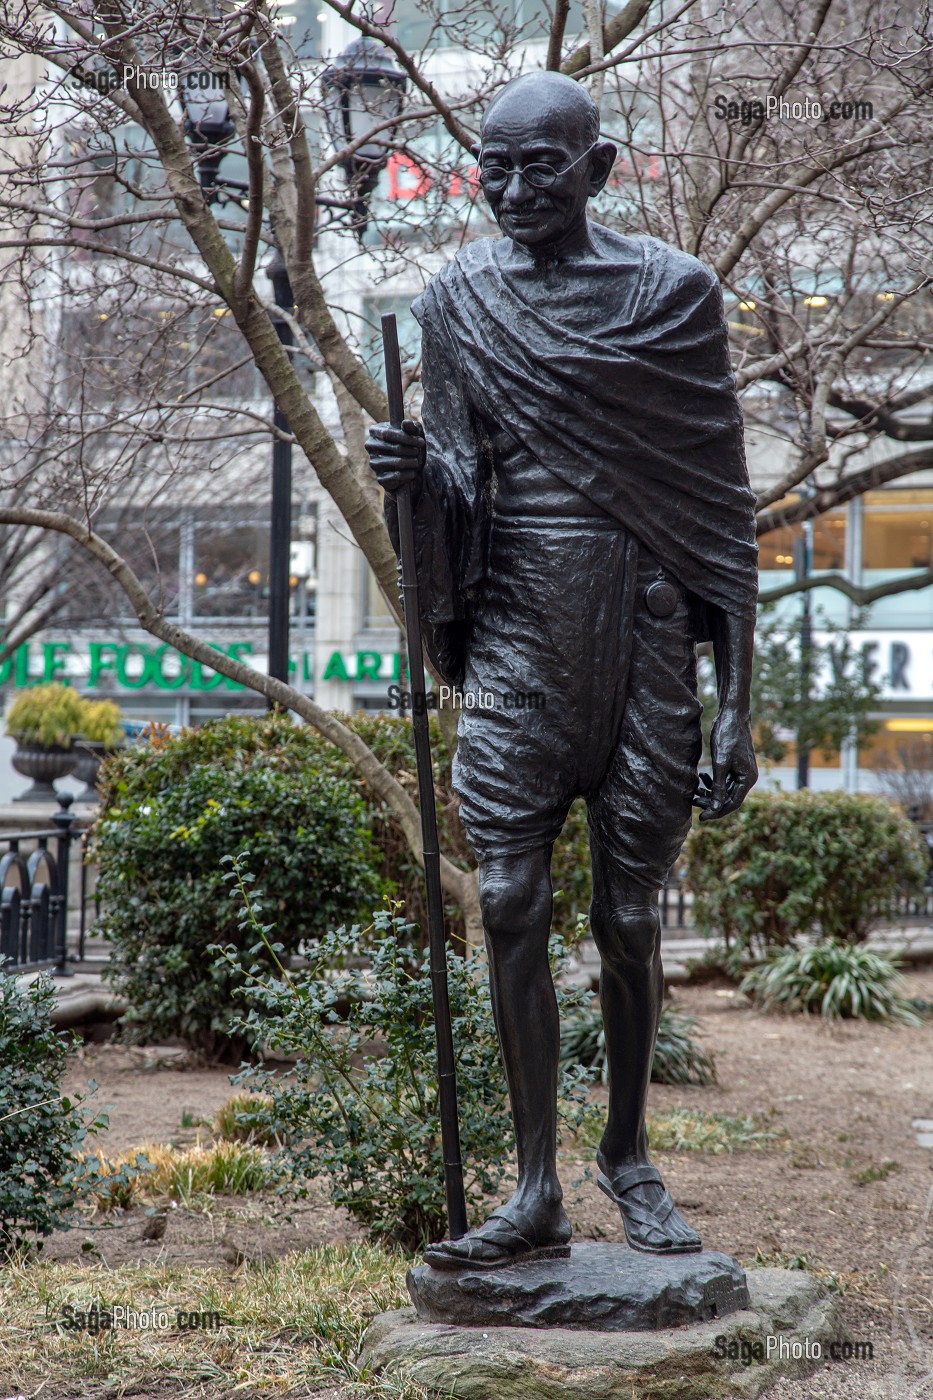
(653, 1224)
(512, 1234)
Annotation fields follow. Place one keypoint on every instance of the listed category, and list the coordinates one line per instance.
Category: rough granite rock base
(679, 1363)
(600, 1287)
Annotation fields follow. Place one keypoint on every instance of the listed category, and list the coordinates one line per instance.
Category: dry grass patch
(185, 1173)
(696, 1130)
(292, 1327)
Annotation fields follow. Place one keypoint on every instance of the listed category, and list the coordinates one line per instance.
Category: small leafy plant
(678, 1057)
(837, 979)
(876, 1172)
(361, 1106)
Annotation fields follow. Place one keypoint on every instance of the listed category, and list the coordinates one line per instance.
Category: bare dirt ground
(848, 1187)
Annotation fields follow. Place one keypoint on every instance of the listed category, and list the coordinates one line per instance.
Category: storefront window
(897, 532)
(376, 612)
(776, 549)
(897, 538)
(776, 555)
(900, 758)
(819, 758)
(231, 571)
(91, 597)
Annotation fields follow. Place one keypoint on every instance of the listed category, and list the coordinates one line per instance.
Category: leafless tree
(906, 775)
(819, 231)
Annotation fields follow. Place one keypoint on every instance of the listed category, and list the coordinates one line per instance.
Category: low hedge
(796, 863)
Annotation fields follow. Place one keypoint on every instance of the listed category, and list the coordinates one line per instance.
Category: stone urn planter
(88, 756)
(43, 765)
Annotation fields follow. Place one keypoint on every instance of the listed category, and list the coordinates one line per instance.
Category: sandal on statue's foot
(657, 1229)
(509, 1236)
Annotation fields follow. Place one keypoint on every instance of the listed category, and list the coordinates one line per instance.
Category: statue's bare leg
(516, 899)
(626, 929)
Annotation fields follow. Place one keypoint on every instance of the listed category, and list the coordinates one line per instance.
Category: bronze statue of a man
(583, 517)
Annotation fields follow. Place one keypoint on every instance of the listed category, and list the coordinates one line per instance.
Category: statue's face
(530, 129)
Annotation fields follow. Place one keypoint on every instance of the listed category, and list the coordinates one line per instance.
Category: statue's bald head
(545, 101)
(541, 159)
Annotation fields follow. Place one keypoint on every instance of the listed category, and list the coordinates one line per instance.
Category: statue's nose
(517, 189)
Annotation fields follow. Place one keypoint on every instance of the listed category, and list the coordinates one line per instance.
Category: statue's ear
(603, 160)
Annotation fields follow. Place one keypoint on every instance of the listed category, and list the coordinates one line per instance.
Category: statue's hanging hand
(735, 770)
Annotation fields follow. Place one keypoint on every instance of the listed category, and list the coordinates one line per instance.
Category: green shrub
(836, 979)
(45, 715)
(42, 1169)
(797, 863)
(361, 1106)
(171, 809)
(678, 1058)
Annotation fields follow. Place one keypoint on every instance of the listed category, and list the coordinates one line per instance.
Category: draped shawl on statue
(614, 372)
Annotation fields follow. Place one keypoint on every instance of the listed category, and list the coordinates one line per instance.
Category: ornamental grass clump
(678, 1057)
(360, 1109)
(839, 980)
(185, 1173)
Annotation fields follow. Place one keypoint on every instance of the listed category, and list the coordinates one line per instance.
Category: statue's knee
(511, 903)
(628, 934)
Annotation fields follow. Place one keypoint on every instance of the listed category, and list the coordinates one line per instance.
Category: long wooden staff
(437, 942)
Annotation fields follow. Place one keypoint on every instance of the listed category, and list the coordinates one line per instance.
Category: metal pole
(803, 562)
(437, 942)
(64, 820)
(280, 527)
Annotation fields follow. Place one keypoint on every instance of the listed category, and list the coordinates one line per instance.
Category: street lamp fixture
(209, 127)
(362, 88)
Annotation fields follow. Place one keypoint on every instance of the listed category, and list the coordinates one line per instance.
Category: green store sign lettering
(127, 665)
(363, 666)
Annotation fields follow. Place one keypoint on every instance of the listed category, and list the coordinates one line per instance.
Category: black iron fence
(47, 890)
(675, 904)
(36, 893)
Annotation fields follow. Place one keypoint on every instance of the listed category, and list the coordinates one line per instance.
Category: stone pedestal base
(704, 1361)
(599, 1288)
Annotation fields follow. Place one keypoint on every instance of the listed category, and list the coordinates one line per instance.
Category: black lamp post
(803, 564)
(360, 89)
(280, 525)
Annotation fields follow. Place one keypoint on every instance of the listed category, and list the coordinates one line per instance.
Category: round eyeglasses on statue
(539, 176)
